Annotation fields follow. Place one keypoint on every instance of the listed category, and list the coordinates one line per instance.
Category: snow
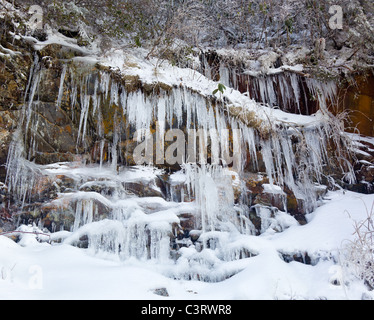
(54, 37)
(268, 188)
(322, 231)
(39, 270)
(77, 171)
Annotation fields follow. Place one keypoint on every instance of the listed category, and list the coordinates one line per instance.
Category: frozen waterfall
(197, 223)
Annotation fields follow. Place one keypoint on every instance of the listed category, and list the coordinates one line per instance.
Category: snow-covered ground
(38, 270)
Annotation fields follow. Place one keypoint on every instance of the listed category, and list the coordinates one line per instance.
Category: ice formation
(112, 221)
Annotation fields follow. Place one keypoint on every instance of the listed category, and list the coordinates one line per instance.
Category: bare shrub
(359, 253)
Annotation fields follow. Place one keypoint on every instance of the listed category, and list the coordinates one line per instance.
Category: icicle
(105, 84)
(286, 95)
(61, 89)
(85, 100)
(27, 110)
(84, 213)
(161, 119)
(249, 137)
(140, 120)
(73, 94)
(206, 66)
(235, 77)
(224, 75)
(213, 191)
(22, 175)
(296, 89)
(116, 138)
(267, 157)
(324, 92)
(114, 97)
(271, 95)
(177, 106)
(102, 145)
(34, 68)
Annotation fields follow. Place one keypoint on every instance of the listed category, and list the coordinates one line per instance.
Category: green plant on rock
(221, 88)
(289, 25)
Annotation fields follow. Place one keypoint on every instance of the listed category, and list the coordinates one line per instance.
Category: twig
(353, 54)
(28, 232)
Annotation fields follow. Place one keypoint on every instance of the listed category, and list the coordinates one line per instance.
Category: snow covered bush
(360, 252)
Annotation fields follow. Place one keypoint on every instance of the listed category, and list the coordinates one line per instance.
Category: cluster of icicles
(287, 90)
(128, 232)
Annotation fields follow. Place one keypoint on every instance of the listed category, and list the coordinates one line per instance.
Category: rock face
(15, 65)
(358, 100)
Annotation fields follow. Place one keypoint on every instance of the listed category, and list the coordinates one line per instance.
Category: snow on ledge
(271, 188)
(151, 71)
